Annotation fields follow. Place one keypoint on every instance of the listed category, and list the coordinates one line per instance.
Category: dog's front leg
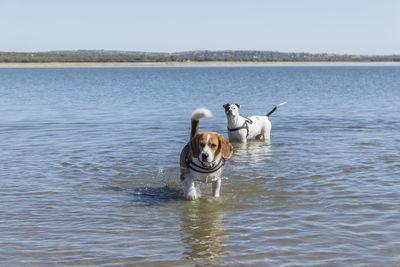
(216, 186)
(190, 192)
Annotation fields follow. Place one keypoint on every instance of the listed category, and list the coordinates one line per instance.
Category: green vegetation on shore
(103, 56)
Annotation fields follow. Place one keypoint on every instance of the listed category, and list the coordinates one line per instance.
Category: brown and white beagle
(202, 159)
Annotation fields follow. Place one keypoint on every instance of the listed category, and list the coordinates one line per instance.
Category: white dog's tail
(275, 108)
(195, 119)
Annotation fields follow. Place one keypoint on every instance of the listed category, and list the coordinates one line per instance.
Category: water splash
(169, 177)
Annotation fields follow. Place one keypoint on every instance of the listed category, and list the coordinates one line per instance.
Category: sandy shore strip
(190, 63)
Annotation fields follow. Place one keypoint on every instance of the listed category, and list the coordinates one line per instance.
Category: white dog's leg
(267, 137)
(216, 186)
(190, 192)
(267, 132)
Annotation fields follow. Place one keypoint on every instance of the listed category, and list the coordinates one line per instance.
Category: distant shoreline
(191, 63)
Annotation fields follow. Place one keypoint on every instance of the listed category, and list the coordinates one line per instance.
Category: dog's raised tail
(275, 108)
(195, 119)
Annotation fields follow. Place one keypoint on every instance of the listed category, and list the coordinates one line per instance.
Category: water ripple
(89, 167)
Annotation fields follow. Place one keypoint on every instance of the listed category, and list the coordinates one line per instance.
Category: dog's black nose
(204, 156)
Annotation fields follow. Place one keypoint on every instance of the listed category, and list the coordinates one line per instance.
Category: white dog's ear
(224, 106)
(237, 105)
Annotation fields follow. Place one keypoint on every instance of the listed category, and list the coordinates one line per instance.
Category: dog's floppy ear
(237, 105)
(224, 106)
(226, 147)
(194, 146)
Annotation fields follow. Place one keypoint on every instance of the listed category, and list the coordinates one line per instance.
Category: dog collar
(193, 166)
(197, 168)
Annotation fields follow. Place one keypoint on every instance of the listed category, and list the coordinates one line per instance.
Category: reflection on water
(205, 234)
(201, 221)
(257, 150)
(251, 153)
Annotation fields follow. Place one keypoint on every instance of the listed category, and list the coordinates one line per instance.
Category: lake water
(89, 167)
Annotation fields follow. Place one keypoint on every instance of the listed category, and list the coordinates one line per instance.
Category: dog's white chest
(237, 135)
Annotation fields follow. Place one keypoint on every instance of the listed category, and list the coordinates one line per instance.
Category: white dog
(243, 129)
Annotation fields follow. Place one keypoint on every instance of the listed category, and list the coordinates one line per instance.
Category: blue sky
(335, 26)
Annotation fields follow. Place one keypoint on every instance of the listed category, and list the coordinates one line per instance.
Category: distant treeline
(239, 56)
(7, 57)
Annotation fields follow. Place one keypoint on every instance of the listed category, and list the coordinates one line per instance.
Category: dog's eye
(213, 145)
(202, 144)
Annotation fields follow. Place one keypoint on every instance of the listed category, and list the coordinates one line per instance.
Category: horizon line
(201, 50)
